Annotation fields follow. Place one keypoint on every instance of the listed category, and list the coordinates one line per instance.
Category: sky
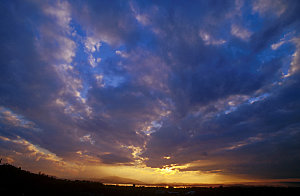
(157, 91)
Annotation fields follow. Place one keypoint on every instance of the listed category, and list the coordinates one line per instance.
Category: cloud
(209, 40)
(240, 32)
(115, 26)
(265, 7)
(113, 159)
(295, 64)
(23, 152)
(251, 132)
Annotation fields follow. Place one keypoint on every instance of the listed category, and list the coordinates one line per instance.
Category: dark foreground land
(15, 181)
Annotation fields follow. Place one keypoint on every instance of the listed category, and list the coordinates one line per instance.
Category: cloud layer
(186, 86)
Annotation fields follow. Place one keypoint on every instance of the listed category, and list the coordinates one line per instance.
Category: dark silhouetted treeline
(15, 181)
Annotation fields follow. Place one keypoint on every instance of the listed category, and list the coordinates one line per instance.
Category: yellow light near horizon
(167, 174)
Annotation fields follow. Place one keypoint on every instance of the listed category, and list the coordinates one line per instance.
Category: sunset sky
(159, 91)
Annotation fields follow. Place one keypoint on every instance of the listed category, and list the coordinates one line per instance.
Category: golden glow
(166, 171)
(168, 174)
(87, 166)
(171, 169)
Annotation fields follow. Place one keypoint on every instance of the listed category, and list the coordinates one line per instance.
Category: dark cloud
(110, 21)
(113, 159)
(24, 76)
